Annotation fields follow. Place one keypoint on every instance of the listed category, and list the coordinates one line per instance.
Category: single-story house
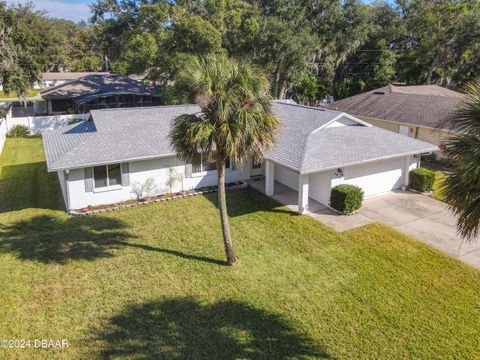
(101, 161)
(419, 111)
(61, 77)
(99, 91)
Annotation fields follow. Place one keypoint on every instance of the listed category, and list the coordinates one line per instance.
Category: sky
(75, 10)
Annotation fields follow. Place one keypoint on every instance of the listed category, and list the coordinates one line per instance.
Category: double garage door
(374, 178)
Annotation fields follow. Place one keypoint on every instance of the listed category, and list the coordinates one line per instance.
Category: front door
(257, 167)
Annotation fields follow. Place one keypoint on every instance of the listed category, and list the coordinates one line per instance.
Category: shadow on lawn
(58, 240)
(186, 329)
(29, 185)
(247, 201)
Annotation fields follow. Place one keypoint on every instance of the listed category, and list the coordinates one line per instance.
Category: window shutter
(125, 174)
(88, 179)
(233, 166)
(188, 170)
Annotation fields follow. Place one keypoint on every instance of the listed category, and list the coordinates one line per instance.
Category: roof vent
(379, 93)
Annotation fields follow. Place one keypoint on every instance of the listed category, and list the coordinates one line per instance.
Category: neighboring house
(99, 161)
(50, 79)
(417, 111)
(98, 92)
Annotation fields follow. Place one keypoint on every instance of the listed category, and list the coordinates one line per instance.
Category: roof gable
(310, 139)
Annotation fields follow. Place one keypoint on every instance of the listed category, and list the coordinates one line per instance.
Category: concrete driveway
(419, 216)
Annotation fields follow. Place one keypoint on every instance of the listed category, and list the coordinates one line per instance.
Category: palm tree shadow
(247, 201)
(185, 329)
(59, 240)
(56, 240)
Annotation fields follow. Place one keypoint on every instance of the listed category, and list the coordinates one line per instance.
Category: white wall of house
(373, 177)
(286, 177)
(139, 172)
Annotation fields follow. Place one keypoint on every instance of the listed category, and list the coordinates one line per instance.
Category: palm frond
(461, 187)
(236, 120)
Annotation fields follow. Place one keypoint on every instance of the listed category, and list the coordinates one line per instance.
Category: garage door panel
(376, 177)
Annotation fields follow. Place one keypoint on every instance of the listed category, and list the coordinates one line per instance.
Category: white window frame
(108, 187)
(209, 172)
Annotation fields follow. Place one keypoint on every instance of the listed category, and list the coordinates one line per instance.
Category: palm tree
(235, 120)
(461, 188)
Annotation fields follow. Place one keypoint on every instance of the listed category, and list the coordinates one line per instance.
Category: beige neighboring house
(50, 79)
(418, 111)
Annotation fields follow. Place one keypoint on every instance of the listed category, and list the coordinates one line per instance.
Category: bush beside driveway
(150, 282)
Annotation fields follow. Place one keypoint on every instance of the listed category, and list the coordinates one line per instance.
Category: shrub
(346, 198)
(18, 131)
(422, 179)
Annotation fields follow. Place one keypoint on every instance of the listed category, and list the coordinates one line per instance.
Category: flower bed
(90, 210)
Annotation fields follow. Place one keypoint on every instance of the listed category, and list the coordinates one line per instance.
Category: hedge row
(421, 179)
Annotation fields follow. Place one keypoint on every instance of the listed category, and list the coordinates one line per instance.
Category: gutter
(53, 169)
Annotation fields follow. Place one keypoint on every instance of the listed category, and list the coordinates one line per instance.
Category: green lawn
(150, 282)
(13, 95)
(437, 186)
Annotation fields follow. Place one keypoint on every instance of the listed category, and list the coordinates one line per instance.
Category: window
(107, 175)
(200, 163)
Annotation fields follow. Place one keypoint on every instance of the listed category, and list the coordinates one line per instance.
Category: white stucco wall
(286, 177)
(140, 171)
(320, 186)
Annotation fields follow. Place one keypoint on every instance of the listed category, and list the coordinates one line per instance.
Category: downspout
(67, 190)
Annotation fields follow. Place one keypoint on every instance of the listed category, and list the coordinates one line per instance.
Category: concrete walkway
(419, 216)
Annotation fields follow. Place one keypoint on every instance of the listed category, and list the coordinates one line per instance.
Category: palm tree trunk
(222, 207)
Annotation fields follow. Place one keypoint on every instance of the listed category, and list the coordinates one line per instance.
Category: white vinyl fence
(38, 124)
(3, 133)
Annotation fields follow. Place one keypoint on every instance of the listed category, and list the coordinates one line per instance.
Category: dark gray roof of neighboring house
(422, 105)
(67, 75)
(92, 86)
(305, 142)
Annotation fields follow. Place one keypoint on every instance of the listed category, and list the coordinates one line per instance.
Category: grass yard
(150, 282)
(14, 95)
(437, 186)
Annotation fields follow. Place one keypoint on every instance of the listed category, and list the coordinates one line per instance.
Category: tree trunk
(222, 207)
(431, 69)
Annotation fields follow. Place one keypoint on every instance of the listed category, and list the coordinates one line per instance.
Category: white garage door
(374, 178)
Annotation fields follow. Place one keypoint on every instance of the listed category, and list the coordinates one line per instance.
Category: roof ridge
(144, 107)
(304, 150)
(83, 140)
(317, 108)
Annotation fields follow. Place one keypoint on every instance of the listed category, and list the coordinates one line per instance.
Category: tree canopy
(348, 46)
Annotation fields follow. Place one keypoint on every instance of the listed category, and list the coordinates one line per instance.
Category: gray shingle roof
(91, 86)
(305, 143)
(119, 135)
(423, 105)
